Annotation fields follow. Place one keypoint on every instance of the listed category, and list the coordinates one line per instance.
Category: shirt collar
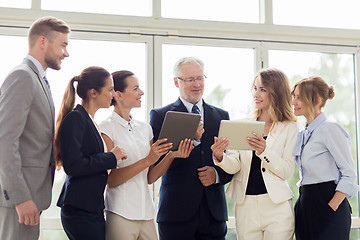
(304, 136)
(38, 65)
(117, 118)
(189, 105)
(316, 122)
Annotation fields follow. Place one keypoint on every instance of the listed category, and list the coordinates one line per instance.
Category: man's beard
(52, 63)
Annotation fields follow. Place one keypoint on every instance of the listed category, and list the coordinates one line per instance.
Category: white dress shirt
(131, 199)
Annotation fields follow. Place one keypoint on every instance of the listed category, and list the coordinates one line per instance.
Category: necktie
(195, 110)
(47, 83)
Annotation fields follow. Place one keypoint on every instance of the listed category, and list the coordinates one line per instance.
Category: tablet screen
(238, 131)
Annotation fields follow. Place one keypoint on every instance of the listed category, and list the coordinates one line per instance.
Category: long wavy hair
(277, 85)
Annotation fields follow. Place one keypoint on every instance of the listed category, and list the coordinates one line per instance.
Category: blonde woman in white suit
(264, 208)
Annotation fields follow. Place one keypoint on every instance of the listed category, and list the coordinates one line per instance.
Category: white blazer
(277, 164)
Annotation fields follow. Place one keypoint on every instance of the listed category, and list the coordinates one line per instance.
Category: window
(116, 7)
(229, 72)
(15, 4)
(320, 13)
(213, 10)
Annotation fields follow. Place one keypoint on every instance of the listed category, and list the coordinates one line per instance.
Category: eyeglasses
(192, 80)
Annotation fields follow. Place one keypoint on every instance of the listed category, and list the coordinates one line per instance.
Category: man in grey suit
(27, 161)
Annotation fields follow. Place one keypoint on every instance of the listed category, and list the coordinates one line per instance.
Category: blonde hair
(312, 88)
(277, 85)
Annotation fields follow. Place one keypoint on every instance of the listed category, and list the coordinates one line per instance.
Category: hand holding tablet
(238, 131)
(178, 126)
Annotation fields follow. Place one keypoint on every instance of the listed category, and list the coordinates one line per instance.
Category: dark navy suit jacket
(84, 162)
(181, 191)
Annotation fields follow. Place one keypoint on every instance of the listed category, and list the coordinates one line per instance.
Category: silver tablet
(179, 125)
(238, 131)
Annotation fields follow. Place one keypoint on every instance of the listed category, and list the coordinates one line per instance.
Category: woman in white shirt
(327, 171)
(263, 198)
(128, 203)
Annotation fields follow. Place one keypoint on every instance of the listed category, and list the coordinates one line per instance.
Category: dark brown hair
(90, 78)
(120, 83)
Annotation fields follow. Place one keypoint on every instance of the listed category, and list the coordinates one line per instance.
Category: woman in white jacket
(264, 208)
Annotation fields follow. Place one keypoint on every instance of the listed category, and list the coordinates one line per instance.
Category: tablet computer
(238, 131)
(179, 125)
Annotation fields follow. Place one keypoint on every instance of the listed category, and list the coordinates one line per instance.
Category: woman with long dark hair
(82, 152)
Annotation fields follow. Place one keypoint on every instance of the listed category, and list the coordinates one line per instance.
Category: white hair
(186, 60)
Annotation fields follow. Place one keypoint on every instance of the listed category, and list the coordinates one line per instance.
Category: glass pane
(215, 10)
(15, 4)
(15, 49)
(354, 234)
(54, 235)
(110, 55)
(229, 72)
(337, 70)
(320, 13)
(231, 234)
(117, 7)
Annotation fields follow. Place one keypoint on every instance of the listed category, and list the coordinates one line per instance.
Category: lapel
(208, 115)
(93, 128)
(179, 106)
(43, 85)
(272, 136)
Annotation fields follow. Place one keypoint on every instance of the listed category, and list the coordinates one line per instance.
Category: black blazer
(181, 191)
(84, 162)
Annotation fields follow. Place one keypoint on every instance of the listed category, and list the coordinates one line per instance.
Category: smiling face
(56, 51)
(261, 95)
(190, 91)
(131, 96)
(300, 108)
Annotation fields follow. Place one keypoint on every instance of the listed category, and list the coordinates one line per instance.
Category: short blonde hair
(310, 89)
(46, 26)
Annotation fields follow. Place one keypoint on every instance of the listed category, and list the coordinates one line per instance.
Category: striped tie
(195, 110)
(47, 83)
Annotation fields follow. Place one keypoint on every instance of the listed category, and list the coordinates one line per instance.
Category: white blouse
(131, 199)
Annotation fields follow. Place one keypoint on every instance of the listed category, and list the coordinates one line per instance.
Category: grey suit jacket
(27, 160)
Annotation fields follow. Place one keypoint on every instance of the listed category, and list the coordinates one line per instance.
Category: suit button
(263, 169)
(6, 195)
(202, 152)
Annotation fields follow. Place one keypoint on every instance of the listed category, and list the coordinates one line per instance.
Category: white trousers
(120, 228)
(258, 218)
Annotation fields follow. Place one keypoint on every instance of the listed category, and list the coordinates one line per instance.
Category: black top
(256, 183)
